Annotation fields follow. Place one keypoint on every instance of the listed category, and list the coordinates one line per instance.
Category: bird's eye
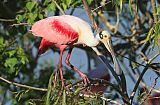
(101, 35)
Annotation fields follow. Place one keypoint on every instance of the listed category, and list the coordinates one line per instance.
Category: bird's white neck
(92, 42)
(85, 32)
(88, 39)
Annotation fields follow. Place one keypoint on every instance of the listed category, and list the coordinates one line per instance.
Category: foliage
(136, 35)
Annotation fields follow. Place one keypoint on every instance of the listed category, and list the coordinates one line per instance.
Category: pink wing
(55, 30)
(44, 45)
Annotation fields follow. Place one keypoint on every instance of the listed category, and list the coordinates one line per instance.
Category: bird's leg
(83, 76)
(55, 77)
(60, 65)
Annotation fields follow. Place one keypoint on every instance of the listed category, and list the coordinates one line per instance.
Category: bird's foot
(85, 79)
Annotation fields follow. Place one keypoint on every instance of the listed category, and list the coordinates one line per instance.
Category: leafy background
(137, 38)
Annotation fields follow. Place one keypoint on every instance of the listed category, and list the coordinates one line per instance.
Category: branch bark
(103, 98)
(113, 28)
(21, 85)
(137, 84)
(94, 24)
(153, 3)
(60, 9)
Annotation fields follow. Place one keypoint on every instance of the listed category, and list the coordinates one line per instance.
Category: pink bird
(67, 31)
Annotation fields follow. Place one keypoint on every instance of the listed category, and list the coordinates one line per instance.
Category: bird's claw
(85, 79)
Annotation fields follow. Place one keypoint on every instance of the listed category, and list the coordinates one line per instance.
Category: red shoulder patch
(64, 29)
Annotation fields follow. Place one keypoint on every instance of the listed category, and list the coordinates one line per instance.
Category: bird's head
(105, 38)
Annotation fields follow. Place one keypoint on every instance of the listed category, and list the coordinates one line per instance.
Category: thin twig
(131, 60)
(101, 81)
(94, 24)
(60, 9)
(154, 90)
(100, 6)
(118, 18)
(104, 83)
(151, 89)
(116, 87)
(113, 28)
(153, 3)
(58, 97)
(19, 24)
(21, 85)
(36, 100)
(153, 58)
(136, 16)
(7, 20)
(103, 98)
(137, 84)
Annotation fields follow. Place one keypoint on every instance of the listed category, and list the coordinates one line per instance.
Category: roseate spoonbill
(66, 31)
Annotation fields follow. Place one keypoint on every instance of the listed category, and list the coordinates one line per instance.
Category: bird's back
(60, 29)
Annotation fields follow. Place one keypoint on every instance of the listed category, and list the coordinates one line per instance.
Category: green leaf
(32, 17)
(158, 41)
(155, 41)
(157, 28)
(20, 51)
(19, 18)
(158, 10)
(68, 2)
(64, 98)
(2, 45)
(1, 40)
(157, 34)
(46, 2)
(22, 56)
(11, 53)
(89, 1)
(149, 35)
(64, 6)
(40, 16)
(11, 62)
(75, 3)
(121, 2)
(51, 7)
(130, 7)
(49, 89)
(24, 59)
(30, 5)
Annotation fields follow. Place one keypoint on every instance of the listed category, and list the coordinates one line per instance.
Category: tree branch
(100, 6)
(94, 24)
(21, 85)
(19, 24)
(7, 20)
(137, 84)
(153, 3)
(103, 98)
(113, 28)
(60, 9)
(149, 93)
